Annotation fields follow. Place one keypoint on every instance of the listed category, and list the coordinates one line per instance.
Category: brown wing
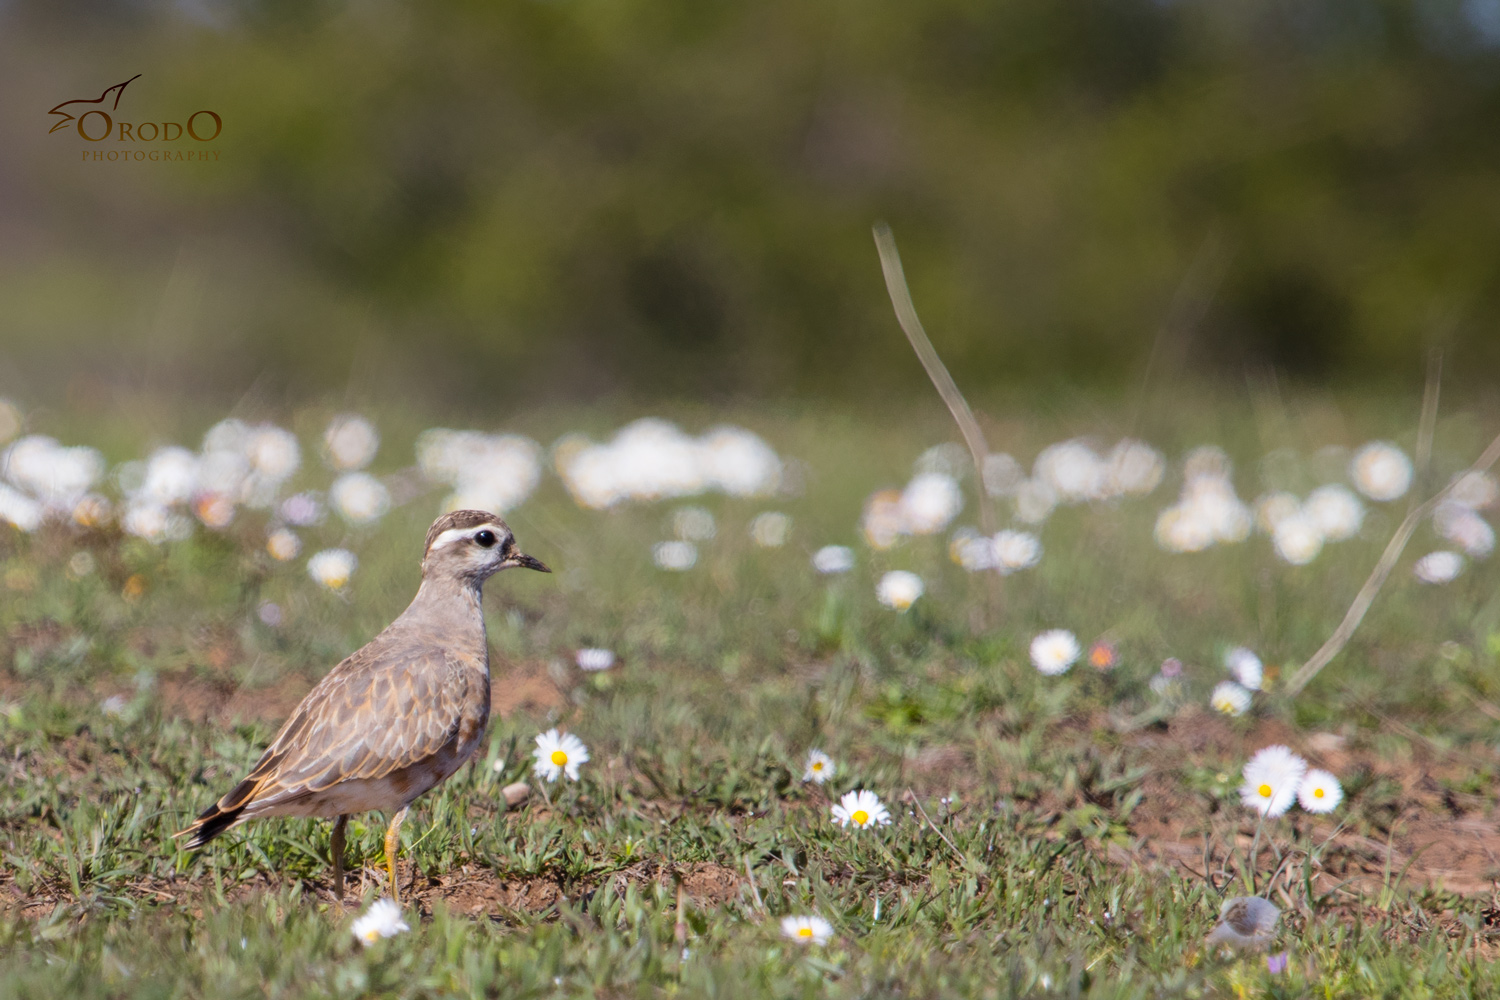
(387, 707)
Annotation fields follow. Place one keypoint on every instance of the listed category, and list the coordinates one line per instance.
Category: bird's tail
(220, 816)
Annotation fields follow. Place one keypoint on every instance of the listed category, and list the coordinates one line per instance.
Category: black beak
(529, 562)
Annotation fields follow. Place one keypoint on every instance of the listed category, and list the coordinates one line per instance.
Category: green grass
(1035, 879)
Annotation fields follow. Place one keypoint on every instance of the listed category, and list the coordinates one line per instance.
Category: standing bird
(396, 718)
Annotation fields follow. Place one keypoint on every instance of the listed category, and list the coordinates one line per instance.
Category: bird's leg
(336, 849)
(392, 845)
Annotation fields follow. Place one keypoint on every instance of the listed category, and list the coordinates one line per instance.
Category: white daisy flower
(833, 559)
(1246, 667)
(332, 567)
(1439, 567)
(559, 753)
(811, 929)
(1320, 792)
(1002, 474)
(592, 659)
(929, 502)
(1016, 550)
(1475, 490)
(675, 556)
(1230, 698)
(1245, 922)
(1297, 539)
(1054, 651)
(359, 497)
(1381, 471)
(860, 809)
(769, 530)
(381, 920)
(899, 589)
(351, 441)
(283, 544)
(820, 767)
(1271, 780)
(1336, 511)
(1464, 528)
(971, 550)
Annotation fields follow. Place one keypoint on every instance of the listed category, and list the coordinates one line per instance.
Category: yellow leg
(336, 849)
(392, 845)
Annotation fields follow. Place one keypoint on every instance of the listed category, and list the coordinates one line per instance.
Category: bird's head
(472, 545)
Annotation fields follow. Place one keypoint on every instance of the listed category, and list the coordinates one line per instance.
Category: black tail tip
(212, 823)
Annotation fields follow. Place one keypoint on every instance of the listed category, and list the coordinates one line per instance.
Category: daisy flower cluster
(1275, 779)
(1233, 697)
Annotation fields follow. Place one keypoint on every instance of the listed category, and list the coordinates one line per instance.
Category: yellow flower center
(1317, 793)
(1265, 791)
(804, 932)
(559, 758)
(860, 817)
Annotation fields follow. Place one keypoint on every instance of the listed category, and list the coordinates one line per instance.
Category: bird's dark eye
(485, 538)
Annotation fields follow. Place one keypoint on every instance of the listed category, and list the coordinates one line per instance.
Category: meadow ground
(1068, 835)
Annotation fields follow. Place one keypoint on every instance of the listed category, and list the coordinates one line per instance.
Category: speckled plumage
(397, 717)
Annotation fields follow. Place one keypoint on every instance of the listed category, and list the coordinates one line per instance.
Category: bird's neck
(452, 611)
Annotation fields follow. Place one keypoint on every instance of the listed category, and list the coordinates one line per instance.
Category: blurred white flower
(929, 502)
(223, 472)
(1272, 777)
(145, 520)
(1230, 698)
(594, 659)
(1054, 651)
(676, 555)
(1245, 666)
(948, 459)
(820, 767)
(495, 472)
(52, 473)
(1002, 474)
(1035, 500)
(1133, 468)
(1464, 528)
(1319, 792)
(1178, 529)
(1212, 502)
(770, 529)
(739, 463)
(92, 511)
(80, 564)
(971, 550)
(381, 920)
(227, 435)
(1297, 539)
(351, 441)
(19, 509)
(1273, 508)
(1245, 922)
(1475, 490)
(301, 510)
(1016, 550)
(332, 567)
(693, 524)
(1381, 471)
(283, 544)
(214, 509)
(860, 809)
(171, 476)
(1336, 511)
(359, 497)
(559, 754)
(273, 452)
(1073, 470)
(833, 559)
(1441, 566)
(899, 589)
(882, 521)
(807, 930)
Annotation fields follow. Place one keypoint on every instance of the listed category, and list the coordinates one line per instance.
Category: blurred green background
(585, 200)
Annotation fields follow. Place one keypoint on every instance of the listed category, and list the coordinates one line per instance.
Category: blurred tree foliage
(676, 196)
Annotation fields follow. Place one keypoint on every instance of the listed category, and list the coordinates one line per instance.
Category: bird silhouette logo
(68, 116)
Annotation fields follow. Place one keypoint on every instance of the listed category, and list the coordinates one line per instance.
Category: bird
(396, 718)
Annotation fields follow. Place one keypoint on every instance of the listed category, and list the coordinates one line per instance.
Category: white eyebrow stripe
(454, 534)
